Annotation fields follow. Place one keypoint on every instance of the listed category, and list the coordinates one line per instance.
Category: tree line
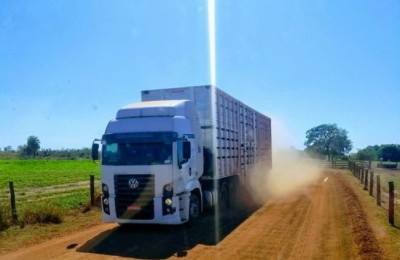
(326, 140)
(385, 153)
(32, 150)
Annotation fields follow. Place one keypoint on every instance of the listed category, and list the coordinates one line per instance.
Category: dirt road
(322, 220)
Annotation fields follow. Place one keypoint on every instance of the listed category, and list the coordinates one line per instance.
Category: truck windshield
(136, 150)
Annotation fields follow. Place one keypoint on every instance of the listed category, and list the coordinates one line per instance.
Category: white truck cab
(152, 158)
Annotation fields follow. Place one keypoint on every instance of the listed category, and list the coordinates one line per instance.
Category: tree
(368, 154)
(22, 151)
(7, 148)
(328, 139)
(390, 152)
(33, 145)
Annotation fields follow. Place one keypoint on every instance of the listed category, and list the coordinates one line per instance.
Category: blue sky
(67, 66)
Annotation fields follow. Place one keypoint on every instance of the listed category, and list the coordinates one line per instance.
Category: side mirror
(186, 150)
(95, 151)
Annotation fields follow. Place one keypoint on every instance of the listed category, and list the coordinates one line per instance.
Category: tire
(194, 207)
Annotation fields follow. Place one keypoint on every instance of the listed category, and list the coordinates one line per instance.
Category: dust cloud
(292, 170)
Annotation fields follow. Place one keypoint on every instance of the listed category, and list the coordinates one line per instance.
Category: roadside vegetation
(47, 191)
(18, 236)
(64, 154)
(5, 220)
(386, 154)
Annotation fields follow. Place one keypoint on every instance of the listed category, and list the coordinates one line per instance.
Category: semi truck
(179, 151)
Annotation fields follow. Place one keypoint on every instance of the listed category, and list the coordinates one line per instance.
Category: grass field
(62, 184)
(41, 173)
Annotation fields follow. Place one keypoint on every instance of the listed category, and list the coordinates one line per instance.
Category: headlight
(168, 202)
(106, 202)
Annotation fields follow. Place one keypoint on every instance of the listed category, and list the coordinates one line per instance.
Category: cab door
(186, 160)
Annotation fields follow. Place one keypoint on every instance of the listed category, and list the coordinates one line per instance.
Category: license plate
(134, 207)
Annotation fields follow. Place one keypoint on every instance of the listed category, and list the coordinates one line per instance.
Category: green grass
(65, 200)
(41, 173)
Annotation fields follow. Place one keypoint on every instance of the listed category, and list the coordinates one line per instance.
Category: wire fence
(67, 196)
(380, 184)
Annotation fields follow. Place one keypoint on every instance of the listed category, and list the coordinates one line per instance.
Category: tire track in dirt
(324, 220)
(335, 238)
(276, 230)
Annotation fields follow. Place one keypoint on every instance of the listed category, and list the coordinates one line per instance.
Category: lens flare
(213, 82)
(211, 41)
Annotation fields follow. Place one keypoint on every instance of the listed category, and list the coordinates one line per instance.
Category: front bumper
(159, 218)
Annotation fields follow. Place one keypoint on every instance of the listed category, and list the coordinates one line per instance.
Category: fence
(363, 171)
(336, 164)
(24, 193)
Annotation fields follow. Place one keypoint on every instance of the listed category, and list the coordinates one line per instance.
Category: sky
(67, 66)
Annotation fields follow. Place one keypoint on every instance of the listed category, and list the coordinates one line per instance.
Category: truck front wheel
(194, 207)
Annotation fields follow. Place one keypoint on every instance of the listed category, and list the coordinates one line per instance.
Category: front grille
(134, 203)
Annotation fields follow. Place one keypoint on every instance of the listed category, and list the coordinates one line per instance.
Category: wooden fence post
(92, 190)
(349, 167)
(357, 171)
(371, 183)
(362, 175)
(391, 203)
(378, 190)
(366, 180)
(12, 198)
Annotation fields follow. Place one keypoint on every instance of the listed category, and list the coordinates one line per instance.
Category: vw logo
(133, 183)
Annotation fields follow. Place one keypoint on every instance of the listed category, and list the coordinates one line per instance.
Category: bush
(5, 220)
(343, 157)
(43, 214)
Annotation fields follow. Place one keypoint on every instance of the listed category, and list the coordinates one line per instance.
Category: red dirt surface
(324, 220)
